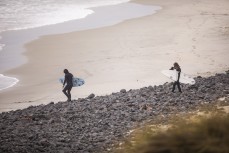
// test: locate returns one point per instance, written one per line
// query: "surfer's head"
(176, 64)
(66, 71)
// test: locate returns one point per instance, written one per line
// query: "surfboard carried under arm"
(76, 81)
(173, 75)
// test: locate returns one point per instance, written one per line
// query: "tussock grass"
(207, 133)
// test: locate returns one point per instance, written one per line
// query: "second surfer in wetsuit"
(178, 69)
(68, 81)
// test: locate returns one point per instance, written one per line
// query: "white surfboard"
(173, 75)
(76, 81)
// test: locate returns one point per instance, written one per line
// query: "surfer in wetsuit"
(68, 81)
(178, 69)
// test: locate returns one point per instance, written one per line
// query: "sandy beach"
(127, 55)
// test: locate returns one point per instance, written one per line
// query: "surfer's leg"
(69, 93)
(178, 85)
(174, 85)
(64, 91)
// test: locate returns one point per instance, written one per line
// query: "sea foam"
(7, 82)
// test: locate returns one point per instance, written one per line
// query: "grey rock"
(123, 91)
(91, 96)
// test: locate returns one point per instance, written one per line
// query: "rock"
(227, 72)
(222, 99)
(91, 96)
(123, 91)
(44, 143)
(145, 107)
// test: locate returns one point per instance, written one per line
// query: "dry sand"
(194, 33)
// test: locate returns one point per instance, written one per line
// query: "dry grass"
(208, 133)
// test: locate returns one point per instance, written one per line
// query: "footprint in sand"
(167, 53)
(88, 74)
(212, 62)
(194, 51)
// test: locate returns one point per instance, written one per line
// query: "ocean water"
(32, 18)
(22, 14)
(25, 14)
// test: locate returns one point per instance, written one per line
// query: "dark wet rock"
(94, 124)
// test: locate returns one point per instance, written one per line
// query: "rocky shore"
(95, 124)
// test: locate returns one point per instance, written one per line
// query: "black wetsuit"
(67, 89)
(178, 69)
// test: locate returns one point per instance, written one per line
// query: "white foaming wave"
(96, 3)
(18, 16)
(43, 19)
(1, 45)
(7, 82)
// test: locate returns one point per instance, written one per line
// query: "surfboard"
(173, 75)
(76, 81)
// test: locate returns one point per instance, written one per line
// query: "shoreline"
(19, 38)
(128, 55)
(128, 10)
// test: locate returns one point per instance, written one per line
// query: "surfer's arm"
(64, 81)
(172, 68)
